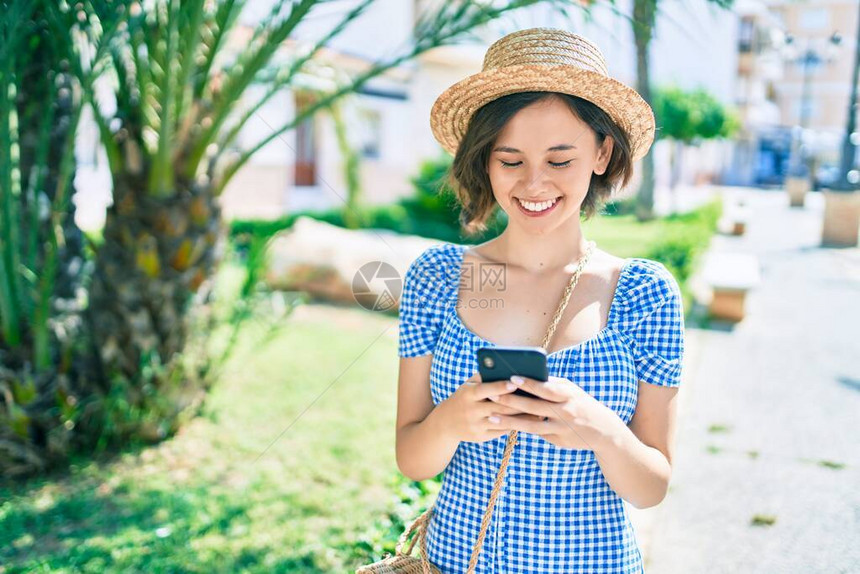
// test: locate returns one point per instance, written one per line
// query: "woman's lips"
(546, 211)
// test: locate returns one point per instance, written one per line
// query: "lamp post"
(809, 56)
(842, 202)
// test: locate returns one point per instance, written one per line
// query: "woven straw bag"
(403, 562)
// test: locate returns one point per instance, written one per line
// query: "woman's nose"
(534, 178)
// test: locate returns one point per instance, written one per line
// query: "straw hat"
(542, 60)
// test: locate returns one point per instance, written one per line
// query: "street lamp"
(811, 55)
(849, 177)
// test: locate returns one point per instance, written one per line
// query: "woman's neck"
(545, 253)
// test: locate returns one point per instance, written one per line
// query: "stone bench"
(797, 187)
(735, 219)
(323, 260)
(730, 276)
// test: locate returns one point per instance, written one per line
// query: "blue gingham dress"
(555, 512)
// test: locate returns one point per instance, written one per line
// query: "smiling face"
(541, 165)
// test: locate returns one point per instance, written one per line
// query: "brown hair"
(468, 175)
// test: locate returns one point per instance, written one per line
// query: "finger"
(528, 417)
(494, 389)
(475, 378)
(556, 389)
(496, 417)
(497, 414)
(493, 407)
(533, 406)
(525, 423)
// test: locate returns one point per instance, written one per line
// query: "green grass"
(622, 235)
(200, 502)
(763, 520)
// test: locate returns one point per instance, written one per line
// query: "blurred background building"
(773, 37)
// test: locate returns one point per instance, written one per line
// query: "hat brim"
(453, 109)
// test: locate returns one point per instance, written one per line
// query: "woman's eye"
(552, 163)
(562, 164)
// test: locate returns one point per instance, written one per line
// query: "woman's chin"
(538, 225)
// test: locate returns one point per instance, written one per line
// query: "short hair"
(468, 175)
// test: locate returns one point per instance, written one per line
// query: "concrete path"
(767, 471)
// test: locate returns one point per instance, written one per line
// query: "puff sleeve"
(657, 332)
(423, 303)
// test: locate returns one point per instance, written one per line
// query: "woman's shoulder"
(435, 268)
(440, 253)
(428, 286)
(647, 282)
(649, 268)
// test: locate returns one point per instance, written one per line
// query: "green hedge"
(686, 238)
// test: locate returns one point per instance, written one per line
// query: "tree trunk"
(157, 252)
(644, 12)
(34, 427)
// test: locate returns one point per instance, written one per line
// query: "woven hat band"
(529, 47)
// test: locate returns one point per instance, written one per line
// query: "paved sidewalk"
(769, 426)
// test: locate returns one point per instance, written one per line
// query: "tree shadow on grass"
(87, 526)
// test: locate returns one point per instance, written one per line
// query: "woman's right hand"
(467, 410)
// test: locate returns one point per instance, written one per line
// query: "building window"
(745, 35)
(306, 160)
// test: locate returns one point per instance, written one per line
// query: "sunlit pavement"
(767, 464)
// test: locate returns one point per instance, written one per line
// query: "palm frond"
(266, 40)
(219, 27)
(283, 79)
(161, 175)
(447, 24)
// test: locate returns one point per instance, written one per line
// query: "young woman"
(544, 133)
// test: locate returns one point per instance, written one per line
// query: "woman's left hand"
(561, 412)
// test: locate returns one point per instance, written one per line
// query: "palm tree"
(114, 369)
(42, 259)
(644, 21)
(170, 146)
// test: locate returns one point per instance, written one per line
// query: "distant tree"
(689, 118)
(644, 22)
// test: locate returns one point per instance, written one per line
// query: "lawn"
(622, 235)
(203, 501)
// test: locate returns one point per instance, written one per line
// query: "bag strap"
(512, 436)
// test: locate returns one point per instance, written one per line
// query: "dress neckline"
(461, 251)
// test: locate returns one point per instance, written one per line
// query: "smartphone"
(500, 363)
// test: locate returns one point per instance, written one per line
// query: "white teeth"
(537, 206)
